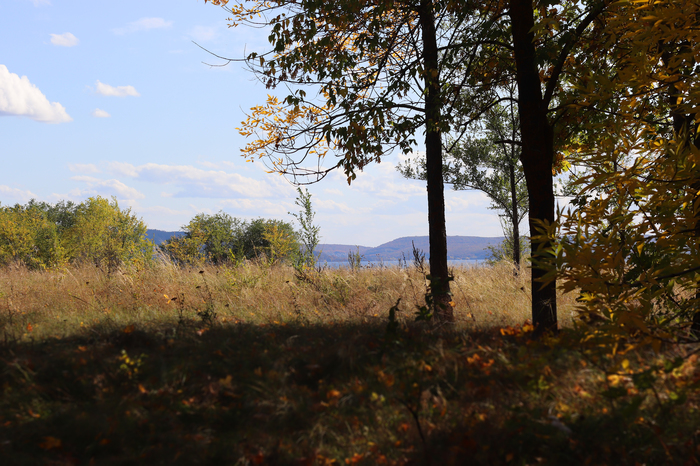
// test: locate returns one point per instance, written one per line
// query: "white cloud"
(40, 2)
(465, 201)
(144, 24)
(99, 113)
(198, 183)
(202, 33)
(105, 188)
(119, 91)
(83, 168)
(17, 195)
(333, 206)
(19, 97)
(123, 168)
(64, 40)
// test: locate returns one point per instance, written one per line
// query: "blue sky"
(113, 99)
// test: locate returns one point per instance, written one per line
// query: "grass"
(252, 365)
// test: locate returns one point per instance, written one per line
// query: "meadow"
(259, 364)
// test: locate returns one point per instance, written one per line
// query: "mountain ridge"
(458, 247)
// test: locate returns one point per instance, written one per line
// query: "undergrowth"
(257, 365)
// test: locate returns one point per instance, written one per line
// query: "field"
(256, 365)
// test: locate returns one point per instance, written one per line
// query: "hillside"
(160, 236)
(458, 247)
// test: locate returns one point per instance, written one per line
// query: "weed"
(304, 371)
(355, 260)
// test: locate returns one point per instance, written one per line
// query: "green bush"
(41, 235)
(220, 238)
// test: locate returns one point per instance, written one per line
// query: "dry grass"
(252, 365)
(57, 303)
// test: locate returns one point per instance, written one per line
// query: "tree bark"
(439, 273)
(537, 157)
(516, 213)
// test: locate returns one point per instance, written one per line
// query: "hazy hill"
(160, 236)
(458, 247)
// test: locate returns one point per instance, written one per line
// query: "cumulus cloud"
(144, 24)
(15, 194)
(122, 168)
(198, 183)
(19, 97)
(64, 40)
(105, 188)
(119, 91)
(99, 113)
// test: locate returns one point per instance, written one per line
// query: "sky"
(116, 99)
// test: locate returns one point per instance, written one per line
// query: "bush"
(220, 238)
(42, 235)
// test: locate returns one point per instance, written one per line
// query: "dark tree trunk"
(440, 284)
(516, 213)
(537, 157)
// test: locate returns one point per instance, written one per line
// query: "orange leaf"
(129, 328)
(29, 327)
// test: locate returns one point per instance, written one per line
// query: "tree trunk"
(439, 274)
(516, 213)
(537, 157)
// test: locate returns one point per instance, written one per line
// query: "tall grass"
(261, 364)
(61, 302)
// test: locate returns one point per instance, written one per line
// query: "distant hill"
(458, 247)
(160, 236)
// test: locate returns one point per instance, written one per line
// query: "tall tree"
(487, 159)
(543, 51)
(634, 247)
(382, 71)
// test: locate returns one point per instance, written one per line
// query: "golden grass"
(57, 303)
(252, 365)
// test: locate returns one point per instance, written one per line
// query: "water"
(379, 263)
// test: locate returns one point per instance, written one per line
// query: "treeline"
(41, 235)
(219, 239)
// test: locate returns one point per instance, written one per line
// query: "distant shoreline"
(459, 248)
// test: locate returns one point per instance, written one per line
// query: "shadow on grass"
(303, 394)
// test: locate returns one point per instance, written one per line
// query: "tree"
(28, 237)
(486, 159)
(382, 71)
(632, 243)
(540, 54)
(41, 235)
(308, 232)
(220, 238)
(104, 234)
